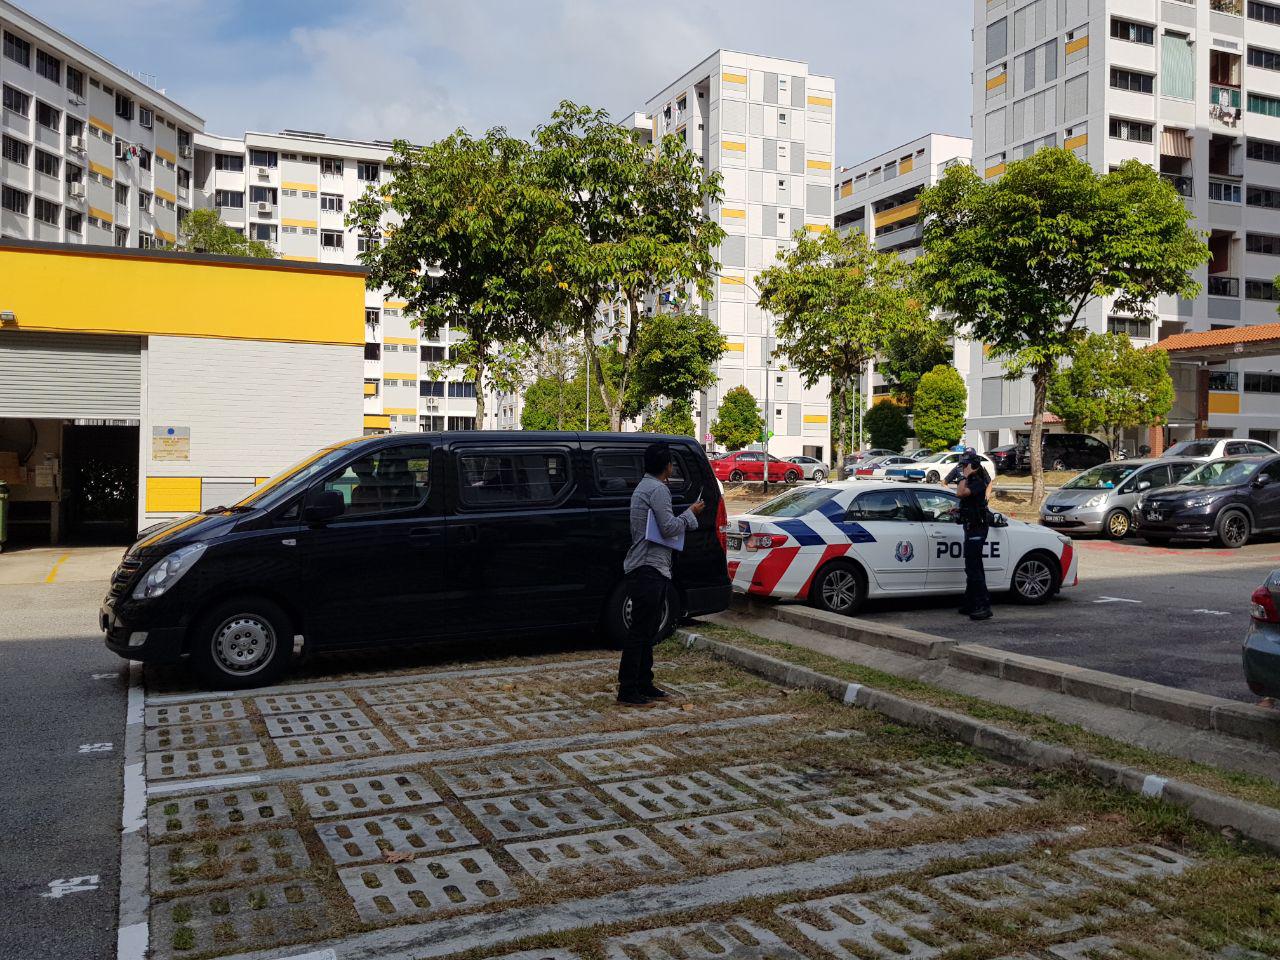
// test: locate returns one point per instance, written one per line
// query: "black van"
(410, 537)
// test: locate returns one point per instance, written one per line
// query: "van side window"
(389, 480)
(493, 478)
(618, 471)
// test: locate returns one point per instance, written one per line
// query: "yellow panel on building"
(816, 418)
(173, 494)
(1228, 403)
(377, 421)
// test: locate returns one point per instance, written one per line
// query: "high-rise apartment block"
(1191, 87)
(88, 152)
(880, 198)
(767, 126)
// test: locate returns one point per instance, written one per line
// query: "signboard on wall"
(171, 443)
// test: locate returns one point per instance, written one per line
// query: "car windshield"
(937, 457)
(795, 503)
(285, 484)
(1222, 473)
(1105, 477)
(1192, 448)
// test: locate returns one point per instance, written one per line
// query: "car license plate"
(1050, 518)
(735, 543)
(1154, 515)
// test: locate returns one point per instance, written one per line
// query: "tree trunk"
(1039, 384)
(480, 368)
(837, 398)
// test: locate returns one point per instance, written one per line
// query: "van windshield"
(1104, 477)
(796, 503)
(288, 482)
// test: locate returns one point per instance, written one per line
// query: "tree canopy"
(886, 424)
(738, 421)
(676, 418)
(836, 299)
(911, 349)
(203, 231)
(1111, 386)
(1018, 260)
(941, 401)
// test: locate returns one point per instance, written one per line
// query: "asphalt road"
(1172, 615)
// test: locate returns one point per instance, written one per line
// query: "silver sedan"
(814, 470)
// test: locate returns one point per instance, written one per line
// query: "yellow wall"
(140, 294)
(173, 494)
(1224, 403)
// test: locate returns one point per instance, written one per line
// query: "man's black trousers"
(648, 590)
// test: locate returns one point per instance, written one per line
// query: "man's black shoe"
(633, 700)
(981, 614)
(656, 693)
(964, 611)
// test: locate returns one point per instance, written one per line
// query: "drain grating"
(386, 893)
(739, 939)
(194, 736)
(251, 807)
(302, 702)
(613, 763)
(452, 733)
(675, 796)
(535, 814)
(316, 721)
(243, 918)
(336, 798)
(368, 838)
(190, 864)
(333, 746)
(485, 777)
(170, 764)
(615, 851)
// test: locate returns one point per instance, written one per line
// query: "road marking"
(103, 676)
(1116, 600)
(1153, 786)
(131, 942)
(1214, 613)
(53, 573)
(96, 747)
(60, 888)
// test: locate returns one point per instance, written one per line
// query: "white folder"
(654, 535)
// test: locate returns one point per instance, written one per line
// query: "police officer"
(972, 489)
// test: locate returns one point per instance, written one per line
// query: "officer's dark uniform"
(973, 515)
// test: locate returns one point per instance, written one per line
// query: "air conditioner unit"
(184, 151)
(75, 144)
(264, 206)
(76, 190)
(74, 100)
(263, 173)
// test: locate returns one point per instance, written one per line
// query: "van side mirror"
(1262, 479)
(323, 505)
(1144, 485)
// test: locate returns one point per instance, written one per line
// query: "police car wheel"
(1117, 525)
(242, 643)
(616, 619)
(932, 477)
(1035, 578)
(839, 588)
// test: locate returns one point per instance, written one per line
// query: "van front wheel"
(242, 643)
(616, 621)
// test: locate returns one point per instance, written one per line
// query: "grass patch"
(1256, 789)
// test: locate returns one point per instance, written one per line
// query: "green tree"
(555, 403)
(632, 221)
(675, 357)
(1111, 386)
(940, 405)
(465, 215)
(203, 231)
(887, 425)
(738, 421)
(1019, 260)
(676, 417)
(913, 348)
(836, 299)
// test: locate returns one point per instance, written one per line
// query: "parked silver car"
(1102, 499)
(813, 468)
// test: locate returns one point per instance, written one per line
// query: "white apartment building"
(768, 127)
(880, 198)
(1191, 87)
(88, 153)
(293, 191)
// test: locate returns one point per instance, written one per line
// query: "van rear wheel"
(616, 619)
(242, 643)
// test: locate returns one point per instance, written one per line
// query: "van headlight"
(168, 571)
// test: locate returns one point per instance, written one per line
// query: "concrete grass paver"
(810, 836)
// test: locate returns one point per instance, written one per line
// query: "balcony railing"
(1227, 6)
(1224, 286)
(1184, 185)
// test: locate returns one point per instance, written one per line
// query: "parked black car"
(1225, 500)
(407, 538)
(1066, 451)
(1007, 458)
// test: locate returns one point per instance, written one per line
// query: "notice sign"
(170, 443)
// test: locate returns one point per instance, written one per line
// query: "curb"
(1187, 707)
(1254, 821)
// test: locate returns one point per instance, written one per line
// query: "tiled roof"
(1220, 338)
(1050, 419)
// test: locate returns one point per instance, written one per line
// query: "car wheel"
(819, 476)
(791, 476)
(933, 477)
(1117, 525)
(616, 619)
(1058, 464)
(735, 476)
(243, 643)
(1233, 529)
(839, 587)
(1035, 578)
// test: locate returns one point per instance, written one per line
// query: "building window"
(1224, 381)
(13, 199)
(1260, 290)
(262, 195)
(1262, 243)
(1261, 382)
(122, 194)
(1132, 130)
(122, 236)
(331, 166)
(462, 390)
(75, 81)
(1130, 326)
(228, 161)
(431, 388)
(266, 232)
(1266, 12)
(184, 178)
(75, 128)
(368, 171)
(462, 423)
(433, 354)
(48, 66)
(1263, 150)
(1224, 192)
(372, 316)
(15, 151)
(73, 221)
(373, 351)
(144, 201)
(46, 211)
(146, 118)
(17, 49)
(1261, 197)
(17, 101)
(75, 173)
(48, 116)
(1132, 80)
(124, 106)
(1133, 32)
(366, 242)
(1266, 59)
(1267, 106)
(263, 158)
(331, 202)
(145, 241)
(48, 164)
(331, 239)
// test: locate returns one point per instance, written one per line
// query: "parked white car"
(934, 469)
(874, 469)
(836, 544)
(1211, 449)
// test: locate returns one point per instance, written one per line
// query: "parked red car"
(749, 465)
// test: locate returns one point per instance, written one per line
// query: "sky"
(418, 69)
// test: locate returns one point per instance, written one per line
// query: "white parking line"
(1116, 600)
(1214, 613)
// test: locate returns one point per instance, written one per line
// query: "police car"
(934, 468)
(835, 544)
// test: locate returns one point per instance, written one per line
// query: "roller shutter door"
(65, 376)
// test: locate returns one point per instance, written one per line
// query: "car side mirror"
(1144, 485)
(323, 506)
(1262, 479)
